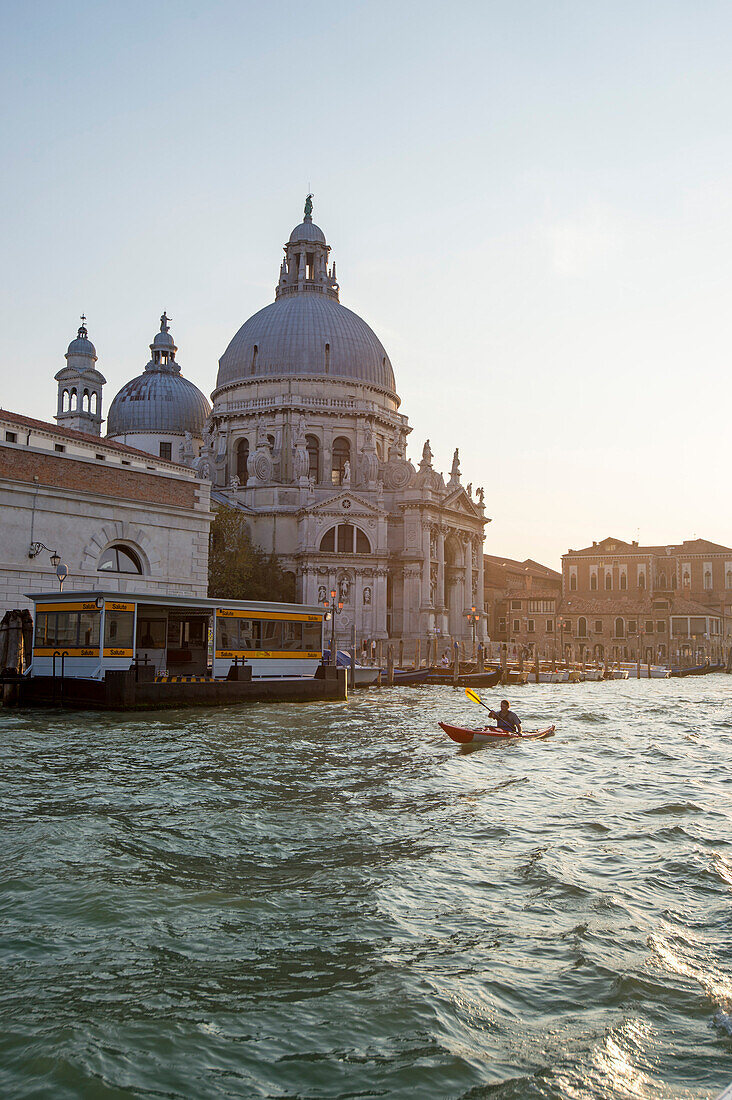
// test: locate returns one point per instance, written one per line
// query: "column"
(379, 600)
(426, 562)
(468, 593)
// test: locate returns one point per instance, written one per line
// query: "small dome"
(158, 401)
(307, 231)
(82, 346)
(163, 340)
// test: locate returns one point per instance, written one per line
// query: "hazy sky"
(531, 204)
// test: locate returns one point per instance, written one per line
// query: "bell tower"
(80, 387)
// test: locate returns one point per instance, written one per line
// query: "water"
(335, 901)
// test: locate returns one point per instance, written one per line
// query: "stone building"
(306, 438)
(670, 602)
(521, 600)
(117, 517)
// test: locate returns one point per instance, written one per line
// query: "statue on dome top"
(309, 206)
(164, 322)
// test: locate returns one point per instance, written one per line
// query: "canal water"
(333, 900)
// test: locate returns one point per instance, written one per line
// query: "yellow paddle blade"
(473, 696)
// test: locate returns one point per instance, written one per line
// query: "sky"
(530, 203)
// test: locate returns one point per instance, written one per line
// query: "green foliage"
(239, 570)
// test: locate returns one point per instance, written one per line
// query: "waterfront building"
(114, 515)
(521, 600)
(667, 602)
(306, 438)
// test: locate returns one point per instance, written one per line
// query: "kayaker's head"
(505, 705)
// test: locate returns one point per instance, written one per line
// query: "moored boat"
(471, 679)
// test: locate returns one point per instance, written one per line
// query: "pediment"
(459, 501)
(345, 503)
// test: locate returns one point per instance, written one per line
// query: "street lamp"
(332, 609)
(62, 571)
(473, 619)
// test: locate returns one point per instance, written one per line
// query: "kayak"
(491, 734)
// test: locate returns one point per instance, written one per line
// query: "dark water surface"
(334, 901)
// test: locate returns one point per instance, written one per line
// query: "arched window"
(65, 403)
(312, 444)
(242, 457)
(341, 455)
(344, 538)
(661, 580)
(255, 352)
(93, 404)
(582, 628)
(623, 581)
(619, 628)
(707, 578)
(85, 401)
(119, 559)
(641, 580)
(608, 581)
(74, 401)
(593, 581)
(728, 580)
(572, 582)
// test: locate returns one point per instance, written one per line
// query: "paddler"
(506, 719)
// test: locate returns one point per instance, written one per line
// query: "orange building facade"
(665, 603)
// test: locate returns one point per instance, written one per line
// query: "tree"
(239, 570)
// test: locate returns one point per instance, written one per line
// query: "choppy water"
(335, 901)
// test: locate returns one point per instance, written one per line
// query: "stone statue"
(469, 489)
(322, 595)
(164, 322)
(367, 595)
(187, 452)
(426, 454)
(204, 471)
(344, 588)
(235, 481)
(309, 206)
(346, 472)
(481, 494)
(455, 470)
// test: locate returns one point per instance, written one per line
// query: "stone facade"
(306, 437)
(91, 500)
(671, 602)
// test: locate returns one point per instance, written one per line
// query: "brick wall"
(105, 479)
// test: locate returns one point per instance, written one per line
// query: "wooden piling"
(401, 653)
(416, 654)
(455, 663)
(390, 665)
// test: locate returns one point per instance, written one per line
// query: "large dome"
(306, 334)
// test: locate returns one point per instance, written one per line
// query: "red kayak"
(491, 734)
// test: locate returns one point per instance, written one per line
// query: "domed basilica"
(305, 436)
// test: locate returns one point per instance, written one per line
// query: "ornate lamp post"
(62, 571)
(473, 619)
(333, 608)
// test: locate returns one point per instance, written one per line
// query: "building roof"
(306, 330)
(160, 399)
(80, 437)
(528, 565)
(618, 546)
